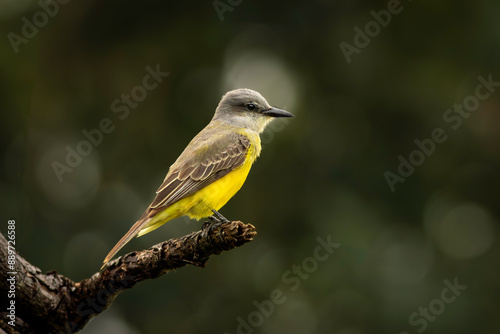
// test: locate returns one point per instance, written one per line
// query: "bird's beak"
(275, 112)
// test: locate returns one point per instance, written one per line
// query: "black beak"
(275, 112)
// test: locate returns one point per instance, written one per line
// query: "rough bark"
(52, 303)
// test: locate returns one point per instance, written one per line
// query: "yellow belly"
(218, 193)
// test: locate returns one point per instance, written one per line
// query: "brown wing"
(207, 164)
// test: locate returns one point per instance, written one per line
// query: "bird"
(212, 167)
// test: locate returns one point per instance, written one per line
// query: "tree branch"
(52, 303)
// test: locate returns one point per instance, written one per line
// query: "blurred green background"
(321, 174)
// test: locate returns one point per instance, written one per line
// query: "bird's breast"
(255, 146)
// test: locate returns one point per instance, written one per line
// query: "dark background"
(321, 174)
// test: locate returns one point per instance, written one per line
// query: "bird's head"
(248, 109)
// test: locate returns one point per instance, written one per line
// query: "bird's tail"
(134, 230)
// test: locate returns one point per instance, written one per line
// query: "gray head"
(248, 109)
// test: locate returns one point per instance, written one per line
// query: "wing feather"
(205, 166)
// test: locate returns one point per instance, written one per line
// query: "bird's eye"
(251, 106)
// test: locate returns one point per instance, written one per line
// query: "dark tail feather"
(126, 238)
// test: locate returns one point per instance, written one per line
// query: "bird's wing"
(197, 168)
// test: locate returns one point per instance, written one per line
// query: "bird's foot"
(207, 224)
(209, 227)
(216, 220)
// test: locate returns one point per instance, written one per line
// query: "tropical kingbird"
(213, 167)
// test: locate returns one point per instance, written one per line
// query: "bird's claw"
(216, 220)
